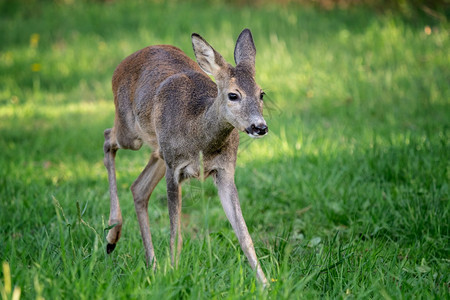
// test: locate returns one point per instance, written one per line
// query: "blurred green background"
(347, 197)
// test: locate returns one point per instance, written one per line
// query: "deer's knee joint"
(109, 149)
(107, 132)
(140, 201)
(141, 204)
(106, 148)
(110, 144)
(108, 160)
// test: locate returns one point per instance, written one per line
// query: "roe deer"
(166, 100)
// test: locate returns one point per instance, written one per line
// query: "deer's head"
(241, 99)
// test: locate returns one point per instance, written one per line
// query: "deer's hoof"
(110, 248)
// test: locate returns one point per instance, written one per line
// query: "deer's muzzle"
(257, 131)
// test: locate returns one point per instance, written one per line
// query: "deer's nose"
(258, 130)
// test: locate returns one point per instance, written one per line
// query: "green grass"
(347, 197)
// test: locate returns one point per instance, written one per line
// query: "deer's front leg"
(230, 202)
(174, 204)
(142, 188)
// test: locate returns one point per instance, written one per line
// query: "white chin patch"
(256, 136)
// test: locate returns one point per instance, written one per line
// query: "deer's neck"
(215, 127)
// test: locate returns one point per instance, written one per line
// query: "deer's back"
(154, 84)
(144, 70)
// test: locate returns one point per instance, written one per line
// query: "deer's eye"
(233, 97)
(261, 96)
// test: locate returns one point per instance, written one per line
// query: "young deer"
(166, 100)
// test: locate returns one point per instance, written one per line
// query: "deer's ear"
(245, 51)
(208, 59)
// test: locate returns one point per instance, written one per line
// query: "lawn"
(347, 196)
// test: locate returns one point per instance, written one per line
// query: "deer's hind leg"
(119, 137)
(110, 148)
